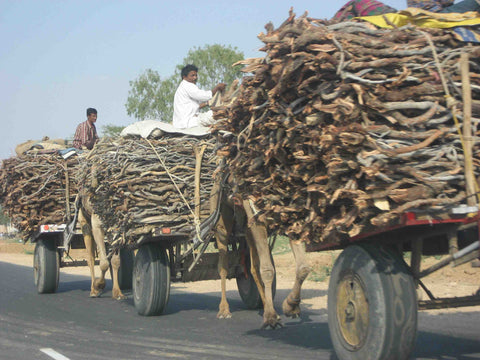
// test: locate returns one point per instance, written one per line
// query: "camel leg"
(221, 234)
(116, 292)
(99, 238)
(90, 247)
(222, 231)
(254, 260)
(267, 271)
(291, 304)
(255, 265)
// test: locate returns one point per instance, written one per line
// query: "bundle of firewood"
(34, 188)
(343, 127)
(136, 185)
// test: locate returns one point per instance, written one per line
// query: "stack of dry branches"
(343, 127)
(137, 185)
(34, 190)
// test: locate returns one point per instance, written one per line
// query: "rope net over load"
(136, 184)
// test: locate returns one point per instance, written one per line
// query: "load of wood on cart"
(38, 186)
(135, 185)
(340, 129)
(343, 127)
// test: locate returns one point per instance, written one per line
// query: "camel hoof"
(224, 315)
(95, 294)
(292, 312)
(99, 284)
(119, 297)
(291, 308)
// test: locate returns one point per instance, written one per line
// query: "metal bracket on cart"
(207, 226)
(70, 228)
(460, 257)
(456, 258)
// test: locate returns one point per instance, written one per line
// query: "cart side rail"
(407, 222)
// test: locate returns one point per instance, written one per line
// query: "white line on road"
(53, 354)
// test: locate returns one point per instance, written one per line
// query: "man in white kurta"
(189, 99)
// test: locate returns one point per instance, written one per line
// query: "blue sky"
(59, 57)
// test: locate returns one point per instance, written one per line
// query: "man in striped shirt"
(86, 134)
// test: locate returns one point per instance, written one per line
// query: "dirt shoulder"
(449, 281)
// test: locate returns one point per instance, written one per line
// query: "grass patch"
(12, 240)
(321, 274)
(282, 245)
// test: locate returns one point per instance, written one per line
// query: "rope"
(195, 218)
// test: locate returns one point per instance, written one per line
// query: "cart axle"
(444, 303)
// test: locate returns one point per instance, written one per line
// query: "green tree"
(214, 64)
(112, 130)
(151, 97)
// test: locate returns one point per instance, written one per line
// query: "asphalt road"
(70, 325)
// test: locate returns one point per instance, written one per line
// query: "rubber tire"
(151, 280)
(125, 272)
(391, 299)
(247, 288)
(46, 266)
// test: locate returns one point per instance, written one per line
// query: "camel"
(262, 268)
(229, 213)
(291, 304)
(94, 238)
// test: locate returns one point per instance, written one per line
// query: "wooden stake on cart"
(467, 130)
(67, 193)
(198, 168)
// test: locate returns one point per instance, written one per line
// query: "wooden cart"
(150, 265)
(164, 257)
(52, 247)
(372, 293)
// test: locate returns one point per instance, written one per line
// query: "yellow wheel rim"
(352, 310)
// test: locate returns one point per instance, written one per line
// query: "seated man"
(189, 99)
(86, 133)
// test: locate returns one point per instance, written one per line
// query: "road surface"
(69, 325)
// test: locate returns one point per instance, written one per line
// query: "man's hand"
(220, 87)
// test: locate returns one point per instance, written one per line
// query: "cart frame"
(373, 292)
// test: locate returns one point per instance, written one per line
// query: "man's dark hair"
(187, 68)
(91, 111)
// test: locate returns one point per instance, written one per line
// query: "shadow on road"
(433, 345)
(440, 335)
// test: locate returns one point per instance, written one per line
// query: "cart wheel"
(247, 288)
(125, 272)
(46, 266)
(151, 280)
(372, 305)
